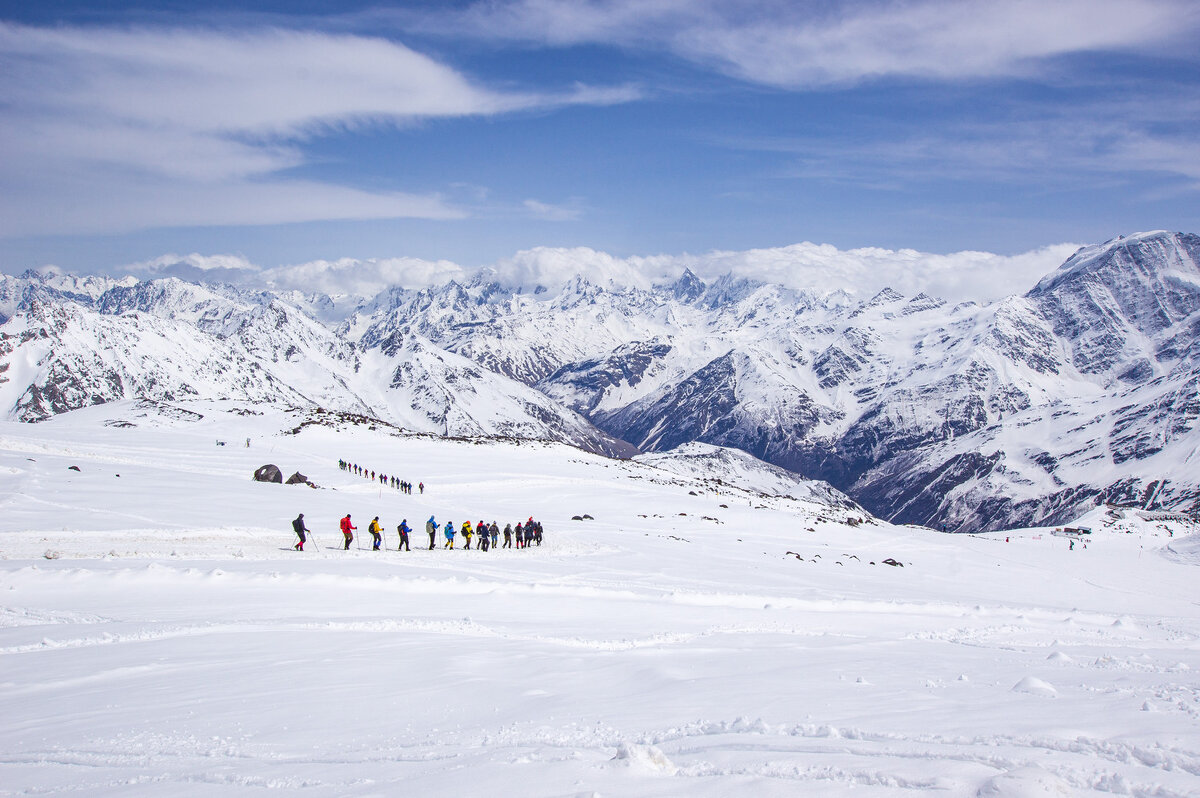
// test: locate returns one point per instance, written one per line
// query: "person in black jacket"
(300, 528)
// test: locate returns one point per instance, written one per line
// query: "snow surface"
(158, 636)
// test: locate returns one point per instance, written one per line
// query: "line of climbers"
(486, 536)
(381, 478)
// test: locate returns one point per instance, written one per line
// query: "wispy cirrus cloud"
(806, 45)
(1063, 146)
(552, 213)
(113, 129)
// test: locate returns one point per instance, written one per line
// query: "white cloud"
(364, 278)
(109, 130)
(1149, 132)
(196, 267)
(568, 22)
(551, 213)
(933, 39)
(266, 81)
(819, 268)
(87, 202)
(819, 44)
(552, 267)
(201, 263)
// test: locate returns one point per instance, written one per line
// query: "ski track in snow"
(645, 652)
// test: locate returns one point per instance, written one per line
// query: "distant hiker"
(484, 537)
(431, 530)
(403, 530)
(422, 487)
(374, 529)
(520, 536)
(1072, 546)
(466, 533)
(300, 528)
(348, 531)
(508, 536)
(448, 531)
(495, 530)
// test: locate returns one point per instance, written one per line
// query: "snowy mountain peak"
(1124, 304)
(1148, 253)
(688, 288)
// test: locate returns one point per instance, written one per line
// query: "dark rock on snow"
(268, 473)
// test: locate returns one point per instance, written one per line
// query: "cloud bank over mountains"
(820, 268)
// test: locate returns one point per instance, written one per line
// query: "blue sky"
(287, 133)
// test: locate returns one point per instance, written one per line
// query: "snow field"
(174, 644)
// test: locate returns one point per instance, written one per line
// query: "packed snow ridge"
(1030, 410)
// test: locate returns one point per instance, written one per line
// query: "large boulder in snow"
(297, 479)
(268, 473)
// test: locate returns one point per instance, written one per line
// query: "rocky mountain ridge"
(1025, 411)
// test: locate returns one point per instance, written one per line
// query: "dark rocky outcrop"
(268, 473)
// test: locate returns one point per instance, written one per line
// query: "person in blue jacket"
(449, 532)
(431, 529)
(403, 530)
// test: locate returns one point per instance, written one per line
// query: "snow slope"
(159, 637)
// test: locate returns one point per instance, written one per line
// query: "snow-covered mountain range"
(1025, 411)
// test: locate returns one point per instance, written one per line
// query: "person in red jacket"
(348, 531)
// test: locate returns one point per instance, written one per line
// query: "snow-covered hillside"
(165, 340)
(702, 630)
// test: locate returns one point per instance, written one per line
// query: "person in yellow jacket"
(375, 531)
(466, 533)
